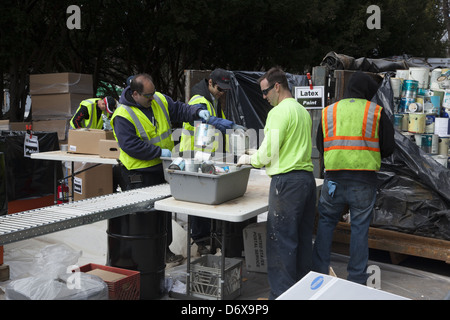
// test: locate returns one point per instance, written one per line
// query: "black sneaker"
(172, 257)
(202, 249)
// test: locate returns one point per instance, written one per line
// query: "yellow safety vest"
(93, 122)
(188, 134)
(351, 140)
(159, 136)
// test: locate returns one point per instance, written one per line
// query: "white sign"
(30, 145)
(310, 98)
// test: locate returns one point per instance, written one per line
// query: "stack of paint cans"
(421, 109)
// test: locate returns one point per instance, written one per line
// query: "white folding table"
(70, 157)
(252, 203)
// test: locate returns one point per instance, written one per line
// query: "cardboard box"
(108, 149)
(442, 127)
(51, 83)
(107, 275)
(4, 125)
(96, 181)
(317, 286)
(255, 247)
(50, 106)
(87, 140)
(61, 126)
(18, 126)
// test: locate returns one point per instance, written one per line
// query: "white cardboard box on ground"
(255, 247)
(317, 286)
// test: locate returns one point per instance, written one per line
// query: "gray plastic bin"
(208, 188)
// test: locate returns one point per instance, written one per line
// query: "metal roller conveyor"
(32, 223)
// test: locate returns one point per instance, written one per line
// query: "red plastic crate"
(127, 288)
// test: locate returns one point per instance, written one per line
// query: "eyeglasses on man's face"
(148, 95)
(266, 91)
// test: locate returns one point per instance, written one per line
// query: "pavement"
(415, 278)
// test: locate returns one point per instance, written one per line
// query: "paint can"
(435, 74)
(191, 165)
(201, 156)
(398, 119)
(177, 164)
(443, 160)
(409, 89)
(208, 167)
(430, 143)
(418, 139)
(402, 74)
(443, 146)
(203, 134)
(434, 144)
(434, 105)
(429, 123)
(426, 143)
(421, 75)
(404, 104)
(416, 122)
(405, 122)
(396, 84)
(415, 107)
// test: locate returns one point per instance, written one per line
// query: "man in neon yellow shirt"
(286, 154)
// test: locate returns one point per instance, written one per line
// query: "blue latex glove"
(166, 153)
(331, 188)
(204, 114)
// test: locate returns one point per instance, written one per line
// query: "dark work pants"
(290, 223)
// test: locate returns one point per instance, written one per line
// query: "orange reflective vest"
(351, 140)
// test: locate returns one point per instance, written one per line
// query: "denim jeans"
(290, 223)
(360, 197)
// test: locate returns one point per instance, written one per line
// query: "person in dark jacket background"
(353, 135)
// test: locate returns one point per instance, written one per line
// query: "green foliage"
(119, 38)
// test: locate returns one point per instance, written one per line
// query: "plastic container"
(123, 289)
(208, 188)
(205, 277)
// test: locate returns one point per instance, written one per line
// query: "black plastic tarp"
(3, 194)
(336, 61)
(26, 177)
(414, 189)
(245, 103)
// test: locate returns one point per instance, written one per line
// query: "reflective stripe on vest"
(91, 113)
(367, 141)
(140, 128)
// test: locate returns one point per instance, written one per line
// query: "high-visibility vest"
(188, 133)
(93, 122)
(159, 136)
(351, 140)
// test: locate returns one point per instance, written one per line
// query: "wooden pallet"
(399, 244)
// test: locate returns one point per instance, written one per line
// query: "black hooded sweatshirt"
(362, 86)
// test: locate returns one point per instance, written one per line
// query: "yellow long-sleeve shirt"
(287, 140)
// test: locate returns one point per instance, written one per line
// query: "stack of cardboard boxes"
(55, 98)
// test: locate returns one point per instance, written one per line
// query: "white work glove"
(204, 114)
(250, 151)
(238, 127)
(244, 159)
(166, 153)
